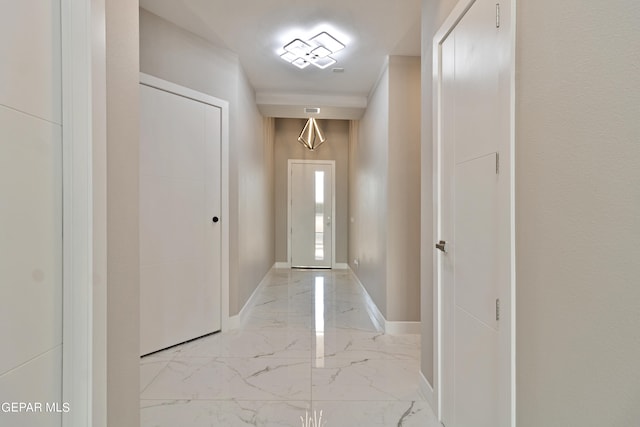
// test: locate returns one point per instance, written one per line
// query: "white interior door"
(311, 214)
(180, 233)
(475, 222)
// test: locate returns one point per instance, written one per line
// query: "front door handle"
(440, 245)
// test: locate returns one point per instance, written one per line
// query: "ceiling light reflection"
(319, 320)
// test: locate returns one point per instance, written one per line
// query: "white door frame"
(507, 167)
(331, 163)
(84, 173)
(84, 382)
(167, 86)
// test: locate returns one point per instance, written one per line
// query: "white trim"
(348, 101)
(378, 319)
(84, 257)
(337, 266)
(512, 214)
(437, 227)
(167, 86)
(427, 391)
(374, 313)
(236, 321)
(281, 265)
(233, 323)
(332, 163)
(225, 173)
(151, 81)
(400, 328)
(507, 341)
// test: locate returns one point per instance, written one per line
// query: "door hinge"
(497, 163)
(497, 309)
(497, 15)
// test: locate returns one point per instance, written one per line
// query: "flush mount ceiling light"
(298, 48)
(311, 135)
(300, 63)
(328, 41)
(314, 51)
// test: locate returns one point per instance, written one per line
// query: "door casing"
(507, 167)
(332, 163)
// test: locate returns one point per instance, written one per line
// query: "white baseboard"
(428, 392)
(376, 316)
(337, 266)
(389, 327)
(233, 323)
(281, 265)
(400, 328)
(237, 320)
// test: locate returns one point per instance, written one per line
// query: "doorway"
(311, 214)
(474, 188)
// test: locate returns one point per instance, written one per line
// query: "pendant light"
(311, 135)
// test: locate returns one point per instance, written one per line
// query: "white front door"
(475, 257)
(180, 222)
(311, 214)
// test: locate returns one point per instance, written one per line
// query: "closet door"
(180, 232)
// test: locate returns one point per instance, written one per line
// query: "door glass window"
(319, 214)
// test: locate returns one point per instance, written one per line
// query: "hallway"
(307, 345)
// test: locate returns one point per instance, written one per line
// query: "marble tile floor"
(307, 346)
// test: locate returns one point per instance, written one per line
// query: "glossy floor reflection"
(307, 345)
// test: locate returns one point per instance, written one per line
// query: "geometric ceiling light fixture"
(300, 63)
(328, 41)
(297, 47)
(316, 51)
(323, 63)
(311, 135)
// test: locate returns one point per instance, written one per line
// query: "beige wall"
(368, 181)
(254, 165)
(403, 229)
(335, 148)
(434, 12)
(179, 56)
(172, 53)
(385, 192)
(578, 213)
(122, 62)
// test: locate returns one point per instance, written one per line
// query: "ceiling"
(258, 29)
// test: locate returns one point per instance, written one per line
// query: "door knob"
(440, 245)
(215, 219)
